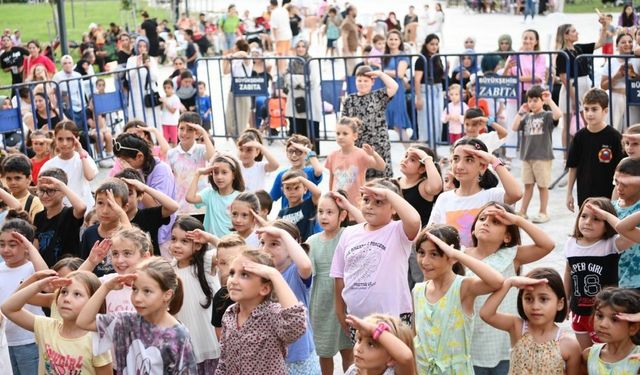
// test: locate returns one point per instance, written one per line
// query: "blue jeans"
(501, 369)
(229, 40)
(24, 359)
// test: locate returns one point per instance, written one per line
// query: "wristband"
(521, 114)
(310, 154)
(382, 326)
(498, 162)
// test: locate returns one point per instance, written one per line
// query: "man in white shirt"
(281, 30)
(72, 94)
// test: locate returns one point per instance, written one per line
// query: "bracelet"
(83, 155)
(498, 162)
(522, 114)
(310, 154)
(382, 326)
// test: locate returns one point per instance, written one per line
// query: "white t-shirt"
(615, 65)
(460, 212)
(75, 175)
(280, 25)
(254, 176)
(5, 361)
(374, 266)
(117, 300)
(167, 117)
(10, 280)
(492, 141)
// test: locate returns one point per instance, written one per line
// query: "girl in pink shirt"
(371, 260)
(348, 165)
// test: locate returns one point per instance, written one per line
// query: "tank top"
(596, 366)
(443, 332)
(531, 358)
(42, 121)
(412, 195)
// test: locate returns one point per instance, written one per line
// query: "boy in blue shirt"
(204, 106)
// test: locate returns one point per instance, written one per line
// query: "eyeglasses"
(293, 151)
(117, 146)
(47, 192)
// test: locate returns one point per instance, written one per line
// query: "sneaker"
(540, 218)
(106, 163)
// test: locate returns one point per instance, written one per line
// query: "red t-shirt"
(30, 62)
(36, 165)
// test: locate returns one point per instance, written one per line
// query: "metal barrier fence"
(96, 111)
(336, 79)
(300, 94)
(500, 88)
(266, 92)
(619, 75)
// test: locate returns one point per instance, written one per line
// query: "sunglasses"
(293, 151)
(117, 147)
(46, 192)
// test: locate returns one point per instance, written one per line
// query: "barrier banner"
(633, 92)
(498, 87)
(250, 86)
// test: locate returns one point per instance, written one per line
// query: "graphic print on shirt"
(56, 363)
(145, 361)
(605, 154)
(363, 261)
(294, 217)
(535, 126)
(462, 220)
(345, 177)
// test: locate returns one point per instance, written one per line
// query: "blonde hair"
(140, 239)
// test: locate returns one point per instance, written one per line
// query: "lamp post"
(62, 28)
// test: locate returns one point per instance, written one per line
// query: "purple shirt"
(161, 178)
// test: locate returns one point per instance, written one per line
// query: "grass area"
(32, 19)
(589, 6)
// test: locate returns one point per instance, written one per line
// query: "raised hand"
(136, 184)
(260, 270)
(120, 281)
(368, 149)
(375, 193)
(484, 156)
(361, 325)
(502, 215)
(99, 251)
(526, 283)
(205, 171)
(447, 249)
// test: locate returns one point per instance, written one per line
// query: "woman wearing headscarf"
(468, 66)
(505, 44)
(142, 81)
(299, 110)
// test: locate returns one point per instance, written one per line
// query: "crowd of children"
(175, 264)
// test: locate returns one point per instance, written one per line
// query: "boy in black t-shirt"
(594, 152)
(300, 212)
(58, 227)
(148, 219)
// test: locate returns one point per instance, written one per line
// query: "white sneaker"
(106, 163)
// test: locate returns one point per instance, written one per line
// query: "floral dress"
(140, 347)
(370, 108)
(443, 332)
(531, 358)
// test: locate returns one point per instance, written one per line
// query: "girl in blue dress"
(396, 67)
